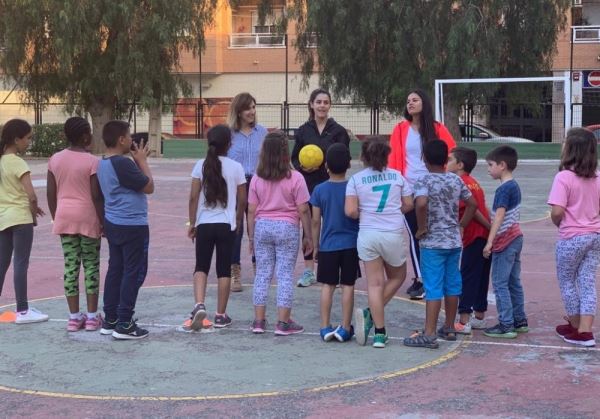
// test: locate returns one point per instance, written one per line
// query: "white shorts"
(389, 245)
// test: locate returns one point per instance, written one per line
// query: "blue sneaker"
(327, 333)
(364, 324)
(344, 335)
(307, 279)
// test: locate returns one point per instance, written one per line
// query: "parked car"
(596, 130)
(476, 132)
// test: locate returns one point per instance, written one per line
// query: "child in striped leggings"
(277, 200)
(75, 202)
(575, 201)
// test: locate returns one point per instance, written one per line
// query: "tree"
(375, 51)
(102, 54)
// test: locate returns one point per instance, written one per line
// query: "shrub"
(47, 140)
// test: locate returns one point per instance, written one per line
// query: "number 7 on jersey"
(384, 196)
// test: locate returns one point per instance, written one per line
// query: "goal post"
(439, 91)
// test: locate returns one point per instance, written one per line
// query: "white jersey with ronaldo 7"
(379, 198)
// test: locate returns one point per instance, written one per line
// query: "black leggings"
(209, 236)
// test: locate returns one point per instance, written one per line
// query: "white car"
(476, 133)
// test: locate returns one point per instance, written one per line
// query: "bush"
(47, 140)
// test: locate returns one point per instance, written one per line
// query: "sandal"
(447, 333)
(419, 340)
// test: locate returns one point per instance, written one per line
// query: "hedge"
(47, 140)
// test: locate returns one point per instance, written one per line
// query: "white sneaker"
(31, 316)
(463, 329)
(477, 323)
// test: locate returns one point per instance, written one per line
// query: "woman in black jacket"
(322, 131)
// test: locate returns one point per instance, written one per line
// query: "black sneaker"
(129, 331)
(521, 326)
(108, 327)
(222, 320)
(416, 283)
(417, 292)
(501, 331)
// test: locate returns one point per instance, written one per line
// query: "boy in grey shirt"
(437, 195)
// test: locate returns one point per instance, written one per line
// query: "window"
(269, 24)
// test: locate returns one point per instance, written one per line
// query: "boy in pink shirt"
(278, 198)
(75, 202)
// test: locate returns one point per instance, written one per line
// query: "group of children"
(359, 219)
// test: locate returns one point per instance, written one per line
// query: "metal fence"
(539, 122)
(192, 119)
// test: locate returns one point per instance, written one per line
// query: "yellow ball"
(311, 156)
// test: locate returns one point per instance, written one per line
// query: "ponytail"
(213, 182)
(375, 151)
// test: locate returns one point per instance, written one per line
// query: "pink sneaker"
(92, 325)
(259, 326)
(289, 328)
(75, 325)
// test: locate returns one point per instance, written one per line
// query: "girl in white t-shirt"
(217, 201)
(575, 201)
(378, 197)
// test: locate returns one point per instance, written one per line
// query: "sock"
(219, 314)
(75, 316)
(199, 304)
(380, 331)
(91, 315)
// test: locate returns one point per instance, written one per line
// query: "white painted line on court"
(534, 346)
(471, 342)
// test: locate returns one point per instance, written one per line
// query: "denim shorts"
(441, 272)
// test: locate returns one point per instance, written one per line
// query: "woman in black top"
(323, 132)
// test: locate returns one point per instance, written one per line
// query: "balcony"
(586, 34)
(256, 40)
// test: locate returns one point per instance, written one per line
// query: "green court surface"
(219, 364)
(195, 148)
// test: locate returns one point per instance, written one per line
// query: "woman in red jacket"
(407, 141)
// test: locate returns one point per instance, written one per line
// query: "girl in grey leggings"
(16, 239)
(18, 213)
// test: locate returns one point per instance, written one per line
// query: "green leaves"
(378, 50)
(101, 51)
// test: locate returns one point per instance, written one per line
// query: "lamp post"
(286, 107)
(571, 72)
(200, 122)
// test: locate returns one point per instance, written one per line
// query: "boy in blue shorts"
(336, 252)
(437, 195)
(124, 184)
(504, 245)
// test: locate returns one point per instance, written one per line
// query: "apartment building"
(243, 54)
(578, 56)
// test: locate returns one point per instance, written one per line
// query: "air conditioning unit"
(577, 3)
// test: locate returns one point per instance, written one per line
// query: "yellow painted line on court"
(351, 383)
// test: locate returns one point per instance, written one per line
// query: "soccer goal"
(515, 121)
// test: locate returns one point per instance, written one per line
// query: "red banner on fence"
(189, 111)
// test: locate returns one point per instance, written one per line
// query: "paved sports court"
(46, 372)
